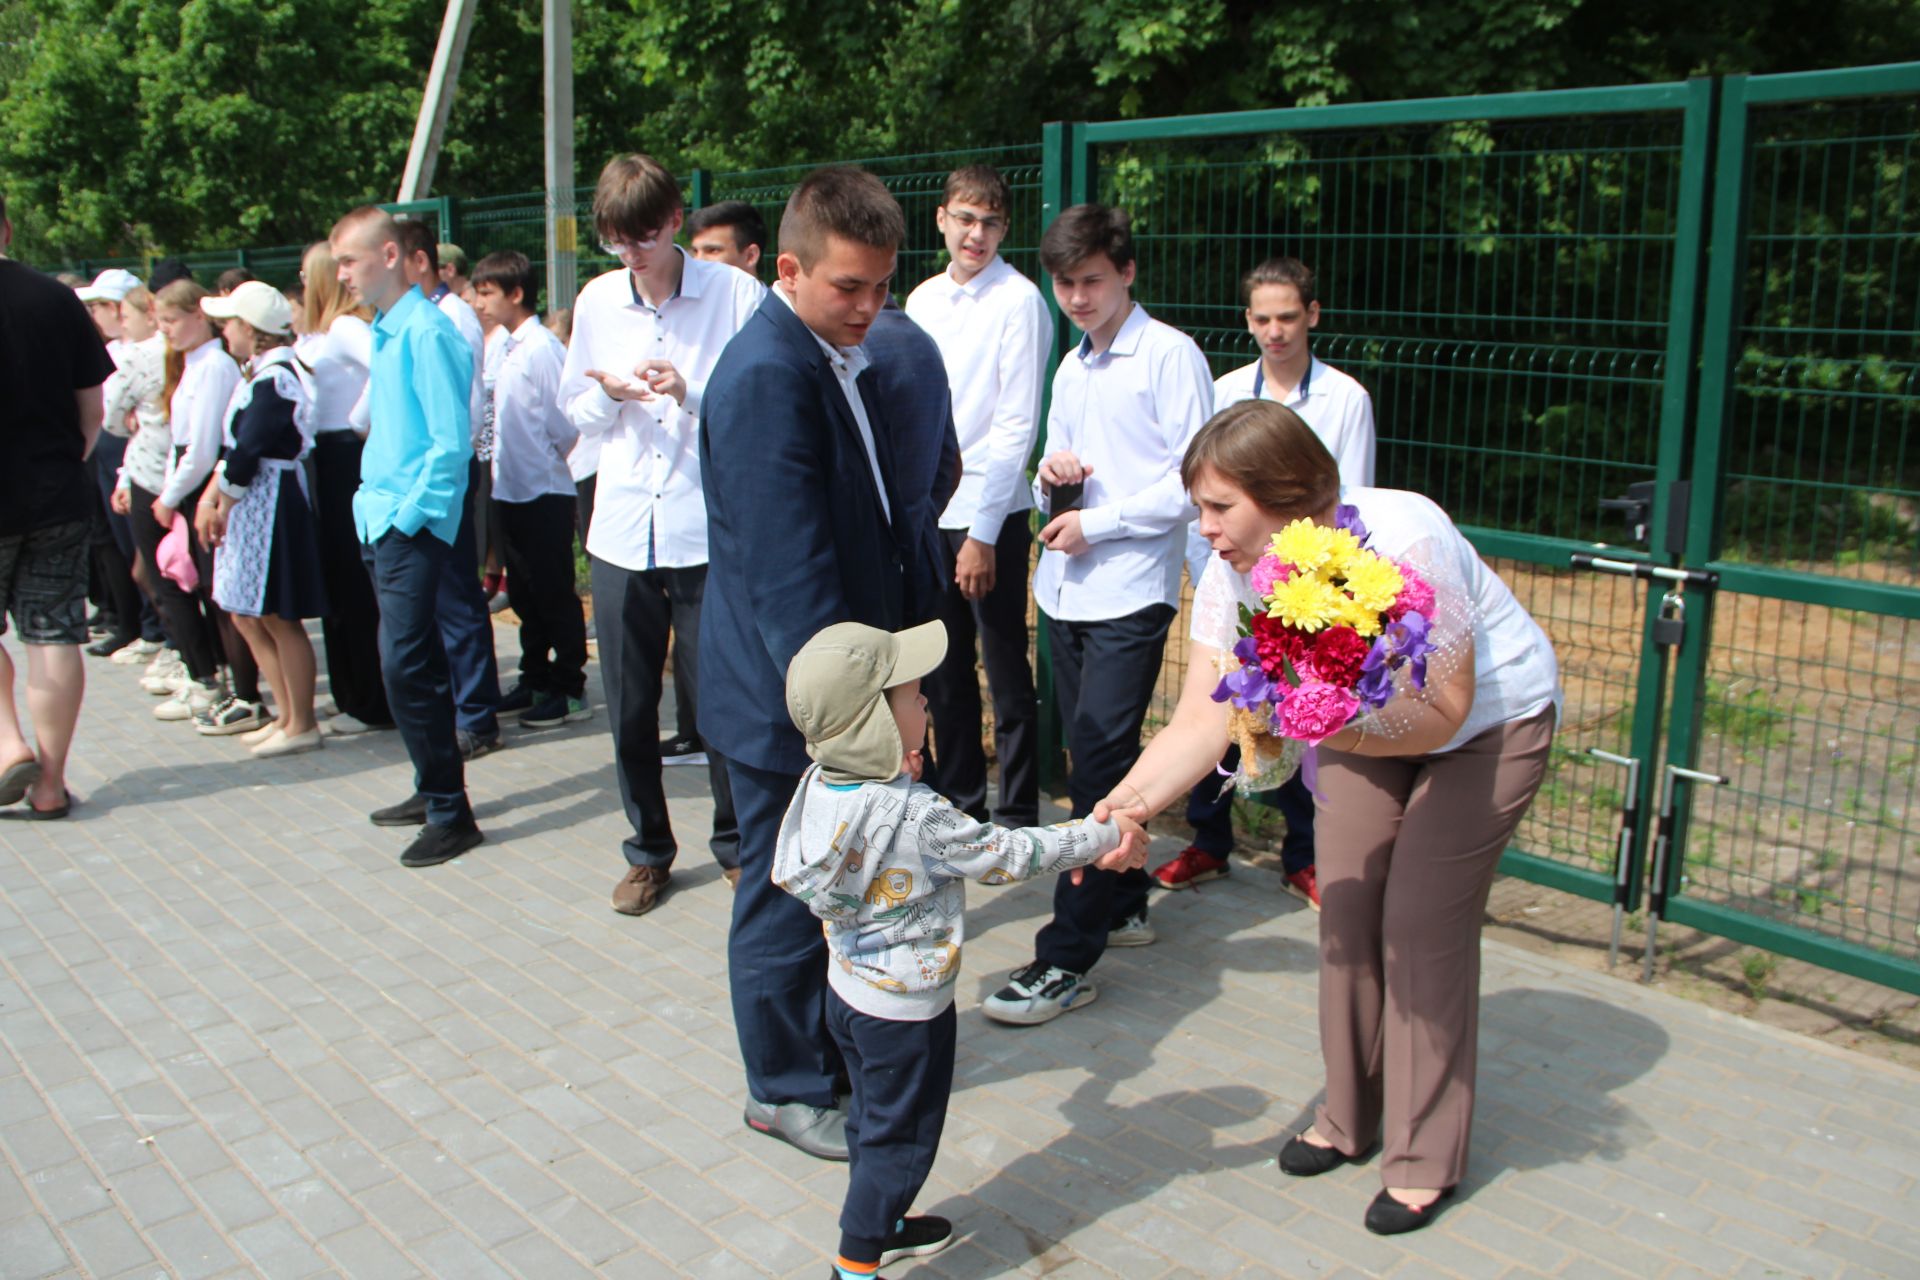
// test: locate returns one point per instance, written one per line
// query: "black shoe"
(821, 1132)
(1303, 1159)
(916, 1238)
(682, 750)
(474, 745)
(1389, 1217)
(554, 710)
(411, 812)
(435, 843)
(108, 645)
(516, 700)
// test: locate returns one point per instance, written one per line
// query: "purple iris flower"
(1408, 639)
(1375, 684)
(1347, 516)
(1248, 687)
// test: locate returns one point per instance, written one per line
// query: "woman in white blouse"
(1409, 825)
(200, 377)
(338, 348)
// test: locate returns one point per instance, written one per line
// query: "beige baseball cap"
(258, 303)
(836, 688)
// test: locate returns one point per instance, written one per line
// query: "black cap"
(165, 272)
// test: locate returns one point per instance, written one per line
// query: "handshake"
(1128, 815)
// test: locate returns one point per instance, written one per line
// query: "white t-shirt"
(1515, 673)
(339, 358)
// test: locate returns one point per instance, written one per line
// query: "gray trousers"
(1407, 850)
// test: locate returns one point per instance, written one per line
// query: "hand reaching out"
(1131, 853)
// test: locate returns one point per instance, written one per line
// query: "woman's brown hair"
(183, 296)
(1270, 454)
(326, 298)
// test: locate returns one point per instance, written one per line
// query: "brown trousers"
(1407, 850)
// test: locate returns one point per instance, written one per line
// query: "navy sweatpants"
(902, 1074)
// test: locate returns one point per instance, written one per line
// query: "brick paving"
(238, 1039)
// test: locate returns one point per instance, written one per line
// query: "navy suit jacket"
(796, 537)
(909, 380)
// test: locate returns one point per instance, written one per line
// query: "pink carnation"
(1317, 710)
(1416, 595)
(1268, 570)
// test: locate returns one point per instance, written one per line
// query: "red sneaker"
(1306, 883)
(1193, 866)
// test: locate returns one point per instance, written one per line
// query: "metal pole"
(431, 127)
(563, 226)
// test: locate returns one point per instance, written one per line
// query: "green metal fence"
(1666, 332)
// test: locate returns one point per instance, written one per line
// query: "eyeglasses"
(967, 222)
(621, 248)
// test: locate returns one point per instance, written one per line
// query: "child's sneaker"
(1193, 866)
(1134, 931)
(1038, 993)
(916, 1238)
(230, 715)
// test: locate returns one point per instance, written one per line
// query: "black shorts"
(43, 583)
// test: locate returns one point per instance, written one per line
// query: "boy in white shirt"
(1283, 308)
(533, 494)
(1125, 406)
(645, 340)
(996, 338)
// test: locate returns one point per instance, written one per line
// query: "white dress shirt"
(531, 435)
(1337, 408)
(136, 387)
(996, 338)
(647, 505)
(1129, 412)
(467, 321)
(198, 415)
(339, 358)
(848, 363)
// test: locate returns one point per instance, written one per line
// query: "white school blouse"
(198, 416)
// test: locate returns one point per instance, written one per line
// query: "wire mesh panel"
(1823, 426)
(1811, 716)
(917, 182)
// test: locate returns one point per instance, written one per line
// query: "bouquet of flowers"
(1340, 628)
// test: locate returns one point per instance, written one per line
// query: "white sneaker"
(136, 653)
(346, 726)
(165, 681)
(1134, 931)
(189, 702)
(1038, 993)
(163, 662)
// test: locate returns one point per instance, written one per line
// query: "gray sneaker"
(1134, 931)
(821, 1132)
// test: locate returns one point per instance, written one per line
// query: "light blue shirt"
(413, 473)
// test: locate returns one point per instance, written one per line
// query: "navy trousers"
(902, 1076)
(776, 959)
(953, 691)
(1104, 674)
(413, 663)
(1210, 814)
(466, 629)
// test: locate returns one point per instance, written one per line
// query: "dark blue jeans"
(406, 574)
(466, 629)
(1210, 814)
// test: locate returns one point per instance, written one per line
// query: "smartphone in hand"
(1062, 498)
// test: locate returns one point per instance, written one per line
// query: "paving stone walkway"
(237, 1039)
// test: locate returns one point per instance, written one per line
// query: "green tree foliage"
(126, 125)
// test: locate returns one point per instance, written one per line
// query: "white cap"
(258, 303)
(110, 285)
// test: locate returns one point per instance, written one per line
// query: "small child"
(883, 860)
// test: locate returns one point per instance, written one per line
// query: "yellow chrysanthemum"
(1343, 550)
(1305, 545)
(1356, 615)
(1374, 582)
(1305, 601)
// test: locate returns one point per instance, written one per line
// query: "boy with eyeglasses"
(645, 339)
(996, 337)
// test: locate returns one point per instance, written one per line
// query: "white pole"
(431, 128)
(563, 277)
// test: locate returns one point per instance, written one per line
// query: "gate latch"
(1670, 628)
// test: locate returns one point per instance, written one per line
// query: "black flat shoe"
(1303, 1159)
(411, 812)
(437, 844)
(1387, 1216)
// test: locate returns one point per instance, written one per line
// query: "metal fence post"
(700, 189)
(1057, 165)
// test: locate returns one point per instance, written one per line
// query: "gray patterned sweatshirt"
(885, 866)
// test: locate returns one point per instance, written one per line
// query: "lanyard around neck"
(1260, 379)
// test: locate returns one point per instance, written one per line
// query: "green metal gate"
(1512, 279)
(1799, 679)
